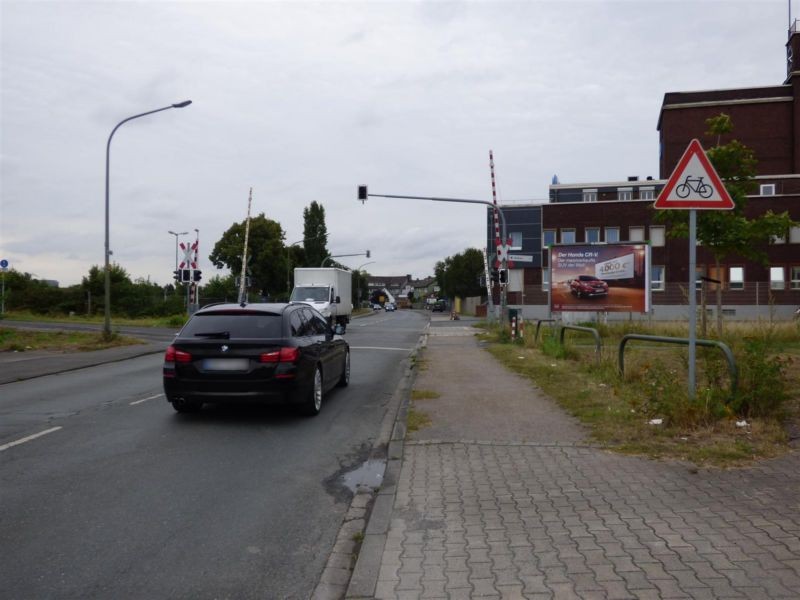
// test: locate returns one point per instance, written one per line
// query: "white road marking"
(28, 439)
(146, 399)
(380, 348)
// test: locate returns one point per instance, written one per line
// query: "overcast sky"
(303, 101)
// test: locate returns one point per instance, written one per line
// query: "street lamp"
(107, 323)
(330, 256)
(358, 280)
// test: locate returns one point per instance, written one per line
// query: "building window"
(590, 195)
(636, 234)
(657, 278)
(612, 235)
(516, 240)
(548, 237)
(736, 278)
(776, 278)
(545, 280)
(794, 235)
(647, 194)
(656, 235)
(567, 236)
(592, 235)
(767, 189)
(795, 280)
(625, 193)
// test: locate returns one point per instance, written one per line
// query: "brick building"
(767, 119)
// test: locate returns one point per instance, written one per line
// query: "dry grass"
(618, 410)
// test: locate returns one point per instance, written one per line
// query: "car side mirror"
(338, 329)
(338, 300)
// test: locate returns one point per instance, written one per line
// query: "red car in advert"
(588, 286)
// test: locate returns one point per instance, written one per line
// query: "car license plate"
(226, 364)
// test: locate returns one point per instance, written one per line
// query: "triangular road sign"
(694, 184)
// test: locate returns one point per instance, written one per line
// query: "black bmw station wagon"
(255, 353)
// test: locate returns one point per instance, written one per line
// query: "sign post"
(694, 185)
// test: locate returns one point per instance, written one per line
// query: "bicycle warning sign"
(694, 184)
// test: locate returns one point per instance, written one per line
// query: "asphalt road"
(120, 497)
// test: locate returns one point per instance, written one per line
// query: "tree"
(220, 288)
(315, 235)
(459, 275)
(730, 232)
(266, 261)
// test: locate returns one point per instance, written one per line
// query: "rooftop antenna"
(243, 278)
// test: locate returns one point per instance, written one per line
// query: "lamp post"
(289, 260)
(330, 256)
(358, 280)
(107, 323)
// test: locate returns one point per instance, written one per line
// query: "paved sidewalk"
(502, 497)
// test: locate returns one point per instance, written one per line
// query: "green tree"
(459, 275)
(220, 288)
(730, 232)
(266, 261)
(315, 235)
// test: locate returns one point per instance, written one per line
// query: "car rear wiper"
(218, 335)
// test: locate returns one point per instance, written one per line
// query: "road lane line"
(28, 439)
(146, 399)
(380, 348)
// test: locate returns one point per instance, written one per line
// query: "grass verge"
(21, 340)
(619, 411)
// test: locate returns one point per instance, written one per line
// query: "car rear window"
(234, 325)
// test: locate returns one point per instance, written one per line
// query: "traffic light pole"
(363, 195)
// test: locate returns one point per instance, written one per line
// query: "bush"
(762, 389)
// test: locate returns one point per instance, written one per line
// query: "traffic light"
(503, 275)
(495, 276)
(197, 275)
(176, 275)
(367, 253)
(362, 194)
(186, 275)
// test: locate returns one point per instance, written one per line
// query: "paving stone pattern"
(526, 519)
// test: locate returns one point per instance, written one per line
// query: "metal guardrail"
(598, 343)
(539, 325)
(683, 341)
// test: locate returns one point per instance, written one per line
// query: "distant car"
(438, 307)
(588, 286)
(265, 353)
(377, 306)
(389, 307)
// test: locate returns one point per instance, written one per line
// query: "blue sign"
(3, 263)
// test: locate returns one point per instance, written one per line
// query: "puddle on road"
(368, 475)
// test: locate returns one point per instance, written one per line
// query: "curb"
(369, 515)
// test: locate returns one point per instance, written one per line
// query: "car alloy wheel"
(313, 405)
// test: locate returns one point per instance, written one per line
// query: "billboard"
(600, 277)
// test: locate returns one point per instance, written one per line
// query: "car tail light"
(174, 355)
(284, 355)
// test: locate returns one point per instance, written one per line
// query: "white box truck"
(328, 290)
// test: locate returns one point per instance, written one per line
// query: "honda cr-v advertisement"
(607, 277)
